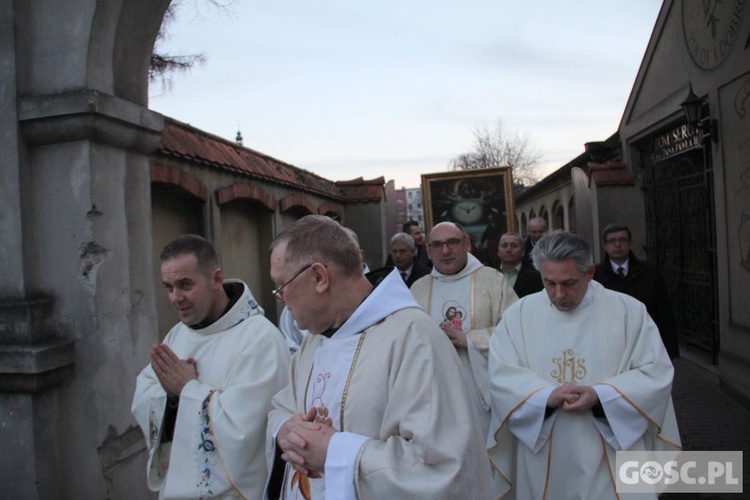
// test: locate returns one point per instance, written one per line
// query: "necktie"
(621, 271)
(403, 276)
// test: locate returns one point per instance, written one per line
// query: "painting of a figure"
(480, 200)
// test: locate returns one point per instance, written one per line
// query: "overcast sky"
(394, 88)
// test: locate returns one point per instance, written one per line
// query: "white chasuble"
(219, 433)
(334, 361)
(609, 343)
(405, 425)
(471, 301)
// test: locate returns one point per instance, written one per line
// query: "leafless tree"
(164, 65)
(495, 146)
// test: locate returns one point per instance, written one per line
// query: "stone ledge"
(34, 359)
(89, 115)
(31, 368)
(30, 384)
(24, 322)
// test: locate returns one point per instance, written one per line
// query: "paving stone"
(709, 419)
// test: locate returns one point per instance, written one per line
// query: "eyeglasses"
(621, 241)
(451, 243)
(277, 292)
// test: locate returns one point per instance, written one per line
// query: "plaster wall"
(666, 74)
(246, 235)
(622, 205)
(560, 194)
(173, 213)
(369, 224)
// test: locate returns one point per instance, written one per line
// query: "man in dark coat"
(623, 272)
(536, 229)
(413, 229)
(524, 280)
(402, 256)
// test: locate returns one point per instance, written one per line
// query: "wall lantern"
(692, 106)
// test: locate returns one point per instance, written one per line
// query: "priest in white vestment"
(467, 300)
(376, 406)
(202, 402)
(577, 373)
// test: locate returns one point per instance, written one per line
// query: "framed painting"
(480, 200)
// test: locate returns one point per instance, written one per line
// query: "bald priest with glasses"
(467, 300)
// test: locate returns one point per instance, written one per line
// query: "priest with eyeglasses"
(466, 299)
(376, 406)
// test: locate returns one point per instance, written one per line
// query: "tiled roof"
(361, 190)
(180, 140)
(612, 173)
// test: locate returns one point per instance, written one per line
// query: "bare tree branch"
(494, 146)
(164, 66)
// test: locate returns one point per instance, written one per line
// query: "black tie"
(621, 271)
(403, 276)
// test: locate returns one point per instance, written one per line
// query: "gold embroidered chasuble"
(611, 344)
(482, 293)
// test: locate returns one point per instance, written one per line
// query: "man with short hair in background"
(421, 255)
(535, 229)
(524, 280)
(623, 272)
(202, 402)
(402, 254)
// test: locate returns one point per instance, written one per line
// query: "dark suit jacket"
(528, 281)
(420, 257)
(644, 282)
(527, 248)
(416, 273)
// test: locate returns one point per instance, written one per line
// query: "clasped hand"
(173, 372)
(304, 442)
(456, 336)
(573, 397)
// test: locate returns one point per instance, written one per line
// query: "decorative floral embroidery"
(319, 388)
(208, 449)
(302, 482)
(249, 308)
(153, 429)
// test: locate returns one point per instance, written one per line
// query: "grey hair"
(559, 246)
(513, 234)
(403, 238)
(317, 237)
(351, 232)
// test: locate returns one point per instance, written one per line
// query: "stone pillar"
(77, 308)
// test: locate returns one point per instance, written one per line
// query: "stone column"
(76, 296)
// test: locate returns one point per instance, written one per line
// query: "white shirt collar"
(625, 265)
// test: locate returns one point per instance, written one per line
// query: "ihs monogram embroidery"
(569, 368)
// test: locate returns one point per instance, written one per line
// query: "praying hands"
(304, 442)
(173, 372)
(573, 397)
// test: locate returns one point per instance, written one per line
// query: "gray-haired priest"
(576, 374)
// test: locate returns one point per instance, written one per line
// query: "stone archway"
(76, 281)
